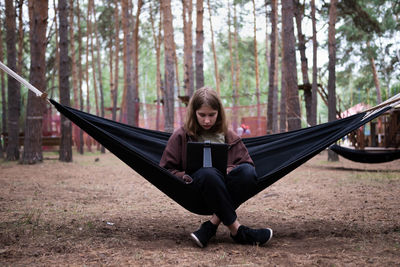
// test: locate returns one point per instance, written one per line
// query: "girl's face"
(206, 116)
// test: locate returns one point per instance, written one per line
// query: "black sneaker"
(206, 231)
(246, 235)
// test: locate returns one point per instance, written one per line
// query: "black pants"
(224, 194)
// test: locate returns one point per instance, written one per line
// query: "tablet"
(206, 154)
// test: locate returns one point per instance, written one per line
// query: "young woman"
(205, 120)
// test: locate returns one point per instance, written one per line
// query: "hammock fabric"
(274, 155)
(366, 156)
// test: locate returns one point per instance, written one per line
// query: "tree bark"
(116, 65)
(299, 14)
(199, 44)
(157, 46)
(14, 93)
(188, 47)
(272, 114)
(289, 64)
(237, 63)
(88, 34)
(314, 87)
(135, 51)
(216, 72)
(169, 94)
(127, 106)
(375, 76)
(3, 94)
(99, 66)
(232, 67)
(332, 156)
(75, 129)
(35, 107)
(80, 75)
(256, 71)
(64, 74)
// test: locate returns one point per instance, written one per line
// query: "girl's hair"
(205, 96)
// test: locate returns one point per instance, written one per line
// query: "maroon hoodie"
(174, 156)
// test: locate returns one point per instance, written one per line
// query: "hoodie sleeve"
(172, 158)
(238, 152)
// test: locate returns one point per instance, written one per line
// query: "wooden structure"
(383, 132)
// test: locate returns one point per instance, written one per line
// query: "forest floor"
(98, 211)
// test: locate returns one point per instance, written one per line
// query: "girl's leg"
(211, 184)
(241, 183)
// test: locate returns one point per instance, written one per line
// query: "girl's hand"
(187, 179)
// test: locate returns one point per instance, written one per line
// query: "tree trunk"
(283, 105)
(169, 95)
(299, 14)
(332, 156)
(199, 44)
(314, 87)
(3, 94)
(256, 71)
(216, 72)
(157, 45)
(127, 99)
(35, 107)
(135, 51)
(14, 93)
(20, 62)
(66, 127)
(272, 115)
(188, 47)
(88, 34)
(80, 75)
(375, 75)
(93, 59)
(99, 67)
(75, 129)
(232, 65)
(116, 71)
(237, 63)
(289, 64)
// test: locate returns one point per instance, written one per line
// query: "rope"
(392, 100)
(23, 81)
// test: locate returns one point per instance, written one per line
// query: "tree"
(188, 47)
(199, 44)
(332, 156)
(80, 73)
(216, 72)
(157, 47)
(314, 86)
(74, 73)
(256, 70)
(34, 111)
(289, 64)
(135, 57)
(64, 74)
(272, 112)
(168, 93)
(114, 89)
(3, 94)
(299, 14)
(14, 94)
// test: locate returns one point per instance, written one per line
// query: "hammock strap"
(23, 81)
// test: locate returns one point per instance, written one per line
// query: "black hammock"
(366, 156)
(274, 155)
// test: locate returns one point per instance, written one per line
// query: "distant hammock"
(366, 155)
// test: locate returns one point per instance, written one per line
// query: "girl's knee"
(209, 176)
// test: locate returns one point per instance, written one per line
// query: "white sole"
(272, 233)
(196, 240)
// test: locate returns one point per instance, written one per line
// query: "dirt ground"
(98, 211)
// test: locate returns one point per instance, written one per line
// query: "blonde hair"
(205, 96)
